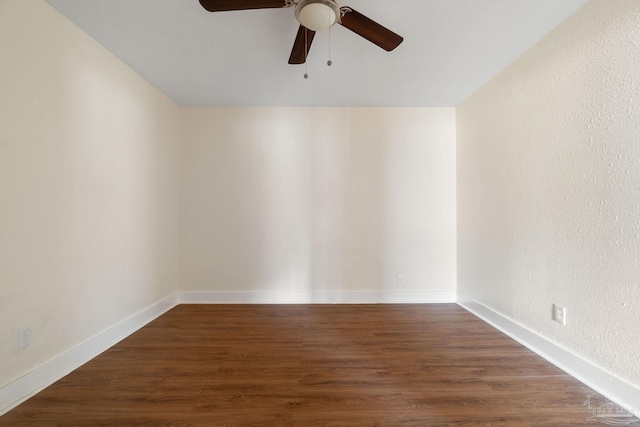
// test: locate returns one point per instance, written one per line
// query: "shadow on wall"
(314, 201)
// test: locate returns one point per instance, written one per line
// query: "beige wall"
(315, 200)
(549, 187)
(88, 187)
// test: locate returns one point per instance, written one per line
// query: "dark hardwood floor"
(312, 365)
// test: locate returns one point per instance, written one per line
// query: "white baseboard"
(329, 297)
(27, 386)
(617, 390)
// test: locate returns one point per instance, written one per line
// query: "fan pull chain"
(329, 62)
(306, 52)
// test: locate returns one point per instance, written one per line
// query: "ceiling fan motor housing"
(317, 15)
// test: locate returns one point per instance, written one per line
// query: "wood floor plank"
(312, 365)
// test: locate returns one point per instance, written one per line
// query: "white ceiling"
(451, 49)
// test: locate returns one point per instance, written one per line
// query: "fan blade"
(225, 5)
(299, 53)
(370, 30)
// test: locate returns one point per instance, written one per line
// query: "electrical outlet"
(400, 280)
(560, 314)
(24, 336)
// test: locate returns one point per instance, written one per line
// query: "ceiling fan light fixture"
(317, 15)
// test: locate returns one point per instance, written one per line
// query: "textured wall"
(549, 187)
(88, 187)
(318, 199)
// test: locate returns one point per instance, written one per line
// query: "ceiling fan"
(315, 15)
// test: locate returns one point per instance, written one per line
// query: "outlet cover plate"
(24, 336)
(560, 314)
